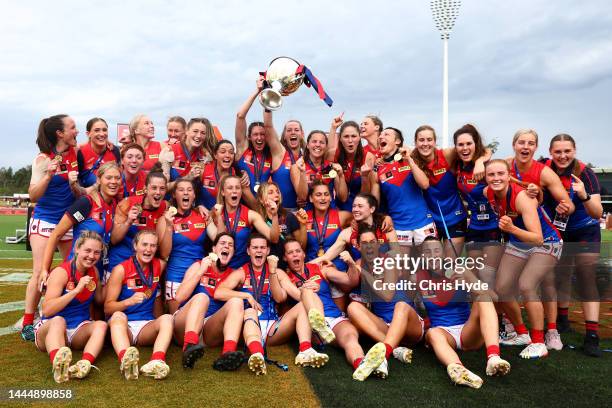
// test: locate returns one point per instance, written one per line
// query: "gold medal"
(321, 251)
(148, 292)
(213, 257)
(256, 188)
(397, 157)
(172, 211)
(58, 158)
(333, 173)
(91, 286)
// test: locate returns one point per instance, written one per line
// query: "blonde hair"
(220, 198)
(262, 195)
(134, 124)
(106, 167)
(88, 234)
(522, 132)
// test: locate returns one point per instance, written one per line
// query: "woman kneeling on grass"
(132, 291)
(454, 326)
(219, 322)
(65, 323)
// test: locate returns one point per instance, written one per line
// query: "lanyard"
(106, 208)
(127, 192)
(217, 177)
(98, 161)
(257, 287)
(143, 277)
(300, 277)
(292, 157)
(318, 171)
(258, 167)
(320, 234)
(73, 270)
(228, 226)
(501, 210)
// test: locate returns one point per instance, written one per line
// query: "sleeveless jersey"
(352, 176)
(282, 177)
(237, 223)
(58, 196)
(445, 306)
(482, 216)
(443, 191)
(381, 237)
(208, 284)
(183, 160)
(146, 220)
(322, 173)
(256, 166)
(579, 218)
(312, 272)
(187, 244)
(152, 152)
(532, 175)
(77, 311)
(508, 207)
(406, 205)
(89, 162)
(210, 184)
(134, 282)
(329, 235)
(257, 283)
(135, 188)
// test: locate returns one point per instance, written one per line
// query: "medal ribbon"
(320, 234)
(257, 286)
(126, 191)
(300, 277)
(258, 168)
(231, 228)
(143, 277)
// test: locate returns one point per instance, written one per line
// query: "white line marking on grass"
(7, 330)
(12, 306)
(16, 277)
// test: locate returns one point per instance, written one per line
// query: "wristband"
(587, 198)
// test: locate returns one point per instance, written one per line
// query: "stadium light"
(445, 13)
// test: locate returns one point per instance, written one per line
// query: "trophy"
(283, 77)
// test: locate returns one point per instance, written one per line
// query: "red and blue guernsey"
(77, 311)
(579, 218)
(187, 244)
(406, 205)
(320, 173)
(384, 309)
(58, 196)
(237, 224)
(208, 284)
(88, 215)
(482, 216)
(282, 177)
(152, 152)
(210, 184)
(133, 188)
(312, 272)
(139, 279)
(257, 283)
(184, 159)
(322, 234)
(445, 306)
(507, 207)
(533, 175)
(146, 220)
(352, 176)
(442, 193)
(381, 237)
(257, 165)
(89, 162)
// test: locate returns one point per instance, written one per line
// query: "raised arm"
(241, 124)
(276, 147)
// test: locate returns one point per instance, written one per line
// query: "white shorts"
(44, 229)
(268, 328)
(334, 321)
(335, 292)
(455, 332)
(69, 332)
(553, 249)
(417, 236)
(171, 288)
(135, 327)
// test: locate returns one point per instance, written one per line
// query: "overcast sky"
(541, 64)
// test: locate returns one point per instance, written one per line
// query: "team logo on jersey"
(142, 221)
(211, 282)
(182, 165)
(439, 171)
(387, 176)
(211, 183)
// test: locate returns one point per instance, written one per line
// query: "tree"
(14, 182)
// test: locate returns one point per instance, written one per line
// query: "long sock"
(537, 336)
(388, 350)
(190, 337)
(52, 354)
(120, 355)
(305, 345)
(492, 351)
(521, 329)
(158, 355)
(255, 347)
(562, 314)
(228, 346)
(89, 357)
(356, 362)
(591, 327)
(551, 326)
(28, 318)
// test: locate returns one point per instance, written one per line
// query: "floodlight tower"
(445, 13)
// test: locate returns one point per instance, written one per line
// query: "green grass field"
(566, 378)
